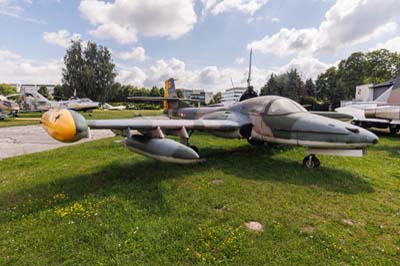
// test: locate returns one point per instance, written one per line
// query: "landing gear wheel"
(194, 148)
(393, 130)
(311, 162)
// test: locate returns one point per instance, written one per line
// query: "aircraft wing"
(161, 99)
(335, 115)
(166, 124)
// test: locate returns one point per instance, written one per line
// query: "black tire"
(311, 162)
(317, 162)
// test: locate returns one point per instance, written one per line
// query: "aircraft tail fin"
(38, 97)
(170, 99)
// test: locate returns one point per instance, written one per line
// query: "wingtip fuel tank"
(64, 125)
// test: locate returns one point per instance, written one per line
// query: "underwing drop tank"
(165, 150)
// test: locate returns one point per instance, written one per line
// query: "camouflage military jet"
(7, 107)
(270, 119)
(35, 102)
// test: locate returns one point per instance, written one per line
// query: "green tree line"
(336, 83)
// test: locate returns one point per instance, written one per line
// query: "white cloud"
(61, 38)
(134, 76)
(275, 20)
(137, 53)
(245, 6)
(392, 45)
(346, 23)
(240, 60)
(162, 70)
(210, 77)
(10, 8)
(123, 20)
(121, 34)
(262, 19)
(308, 67)
(16, 69)
(15, 9)
(287, 42)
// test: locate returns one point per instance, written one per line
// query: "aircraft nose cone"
(367, 137)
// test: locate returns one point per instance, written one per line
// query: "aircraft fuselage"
(279, 120)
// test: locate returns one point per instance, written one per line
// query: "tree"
(359, 68)
(271, 87)
(327, 89)
(310, 88)
(179, 93)
(351, 72)
(73, 72)
(89, 71)
(294, 85)
(288, 84)
(59, 92)
(217, 98)
(6, 89)
(381, 66)
(44, 91)
(155, 92)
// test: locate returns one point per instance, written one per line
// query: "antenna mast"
(249, 78)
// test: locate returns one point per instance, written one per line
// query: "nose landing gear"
(311, 162)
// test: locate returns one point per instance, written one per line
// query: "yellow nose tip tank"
(64, 125)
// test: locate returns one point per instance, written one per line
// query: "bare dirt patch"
(217, 182)
(350, 222)
(307, 229)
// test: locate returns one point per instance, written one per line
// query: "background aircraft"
(384, 112)
(7, 107)
(107, 106)
(35, 102)
(270, 119)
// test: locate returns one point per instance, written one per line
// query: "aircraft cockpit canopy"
(85, 100)
(284, 106)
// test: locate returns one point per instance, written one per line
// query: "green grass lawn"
(99, 204)
(96, 114)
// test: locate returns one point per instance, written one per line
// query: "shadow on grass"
(140, 181)
(260, 163)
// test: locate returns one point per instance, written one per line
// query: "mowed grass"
(99, 204)
(23, 119)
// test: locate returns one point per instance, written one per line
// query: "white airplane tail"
(38, 97)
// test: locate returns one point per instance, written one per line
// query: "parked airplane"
(383, 112)
(107, 106)
(35, 102)
(8, 106)
(270, 119)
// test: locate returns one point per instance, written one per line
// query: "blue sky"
(203, 43)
